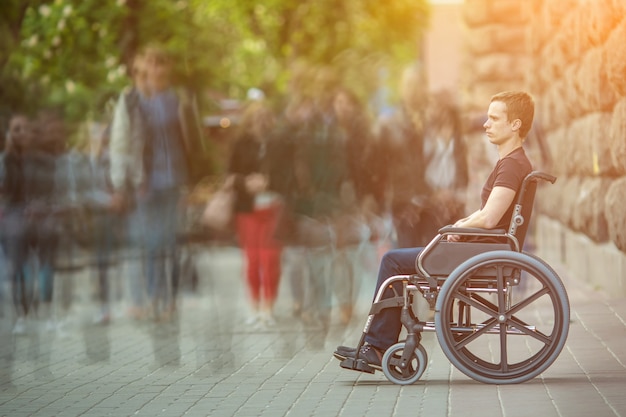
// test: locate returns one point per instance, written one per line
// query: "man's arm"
(488, 217)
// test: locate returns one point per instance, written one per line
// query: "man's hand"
(453, 238)
(456, 238)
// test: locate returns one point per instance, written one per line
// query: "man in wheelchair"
(509, 119)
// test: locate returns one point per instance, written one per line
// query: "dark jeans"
(158, 216)
(24, 238)
(386, 326)
(105, 239)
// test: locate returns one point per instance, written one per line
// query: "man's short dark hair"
(519, 105)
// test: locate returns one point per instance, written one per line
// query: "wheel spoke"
(502, 305)
(478, 303)
(504, 358)
(528, 301)
(501, 290)
(488, 325)
(521, 326)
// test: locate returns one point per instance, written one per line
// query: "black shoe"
(343, 352)
(368, 353)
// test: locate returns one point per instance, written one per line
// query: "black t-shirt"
(509, 172)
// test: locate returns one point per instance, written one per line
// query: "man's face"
(498, 127)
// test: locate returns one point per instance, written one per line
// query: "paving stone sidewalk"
(208, 362)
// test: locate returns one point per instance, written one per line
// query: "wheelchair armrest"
(451, 230)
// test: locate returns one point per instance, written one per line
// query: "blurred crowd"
(322, 187)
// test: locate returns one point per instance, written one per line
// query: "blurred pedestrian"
(445, 165)
(321, 156)
(72, 185)
(96, 205)
(401, 148)
(350, 226)
(255, 170)
(107, 221)
(128, 135)
(19, 138)
(293, 129)
(153, 135)
(4, 281)
(29, 221)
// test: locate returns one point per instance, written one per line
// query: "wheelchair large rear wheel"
(502, 317)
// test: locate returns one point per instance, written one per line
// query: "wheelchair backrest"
(520, 219)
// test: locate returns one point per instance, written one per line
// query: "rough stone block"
(569, 197)
(573, 104)
(615, 212)
(480, 12)
(593, 82)
(556, 11)
(615, 51)
(588, 213)
(599, 20)
(617, 137)
(568, 37)
(600, 162)
(619, 7)
(497, 38)
(576, 149)
(499, 66)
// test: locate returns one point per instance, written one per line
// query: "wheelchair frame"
(476, 304)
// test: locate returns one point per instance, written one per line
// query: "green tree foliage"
(74, 54)
(63, 55)
(263, 39)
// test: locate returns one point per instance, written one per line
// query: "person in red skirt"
(255, 172)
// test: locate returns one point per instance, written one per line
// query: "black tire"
(412, 372)
(505, 337)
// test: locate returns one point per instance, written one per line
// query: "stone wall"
(571, 56)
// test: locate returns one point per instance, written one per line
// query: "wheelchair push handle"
(538, 175)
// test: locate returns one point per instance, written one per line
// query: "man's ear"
(516, 124)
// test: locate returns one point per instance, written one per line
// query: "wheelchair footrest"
(357, 365)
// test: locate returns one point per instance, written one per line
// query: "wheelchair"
(501, 315)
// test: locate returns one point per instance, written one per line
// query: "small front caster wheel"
(400, 371)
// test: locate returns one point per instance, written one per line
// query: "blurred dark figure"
(293, 130)
(321, 157)
(255, 171)
(29, 221)
(4, 281)
(106, 220)
(350, 223)
(88, 221)
(402, 143)
(445, 165)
